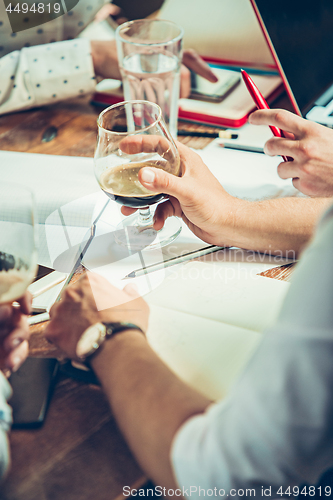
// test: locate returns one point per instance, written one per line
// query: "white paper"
(206, 354)
(65, 191)
(228, 292)
(251, 176)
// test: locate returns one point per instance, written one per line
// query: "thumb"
(132, 290)
(158, 180)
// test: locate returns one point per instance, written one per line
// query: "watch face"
(90, 340)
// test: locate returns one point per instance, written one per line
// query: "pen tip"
(130, 275)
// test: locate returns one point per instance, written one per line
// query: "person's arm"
(44, 74)
(125, 366)
(148, 414)
(308, 143)
(274, 428)
(280, 226)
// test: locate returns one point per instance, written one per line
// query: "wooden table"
(78, 454)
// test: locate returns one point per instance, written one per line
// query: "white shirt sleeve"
(5, 423)
(276, 427)
(44, 74)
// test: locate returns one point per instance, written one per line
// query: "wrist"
(115, 349)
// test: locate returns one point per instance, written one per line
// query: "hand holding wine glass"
(17, 270)
(197, 197)
(119, 157)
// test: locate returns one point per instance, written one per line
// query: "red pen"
(261, 104)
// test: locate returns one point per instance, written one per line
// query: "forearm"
(149, 402)
(283, 225)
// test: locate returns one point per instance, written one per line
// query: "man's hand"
(14, 333)
(113, 11)
(309, 143)
(92, 299)
(105, 61)
(192, 61)
(197, 197)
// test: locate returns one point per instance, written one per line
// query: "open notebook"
(206, 325)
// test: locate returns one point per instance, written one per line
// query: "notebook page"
(228, 292)
(206, 354)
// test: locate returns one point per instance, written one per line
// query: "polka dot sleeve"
(45, 74)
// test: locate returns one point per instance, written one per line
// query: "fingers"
(157, 180)
(164, 210)
(132, 290)
(25, 303)
(280, 146)
(8, 311)
(148, 144)
(16, 345)
(194, 62)
(288, 170)
(17, 356)
(185, 82)
(106, 11)
(127, 210)
(5, 313)
(280, 118)
(17, 336)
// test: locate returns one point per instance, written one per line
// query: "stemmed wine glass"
(133, 135)
(18, 254)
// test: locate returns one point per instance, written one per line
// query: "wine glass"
(18, 254)
(133, 135)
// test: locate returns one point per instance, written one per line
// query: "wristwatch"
(94, 337)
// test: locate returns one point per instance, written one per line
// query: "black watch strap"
(111, 330)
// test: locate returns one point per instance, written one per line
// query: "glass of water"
(150, 54)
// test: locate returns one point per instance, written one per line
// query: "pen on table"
(240, 147)
(223, 134)
(173, 261)
(261, 104)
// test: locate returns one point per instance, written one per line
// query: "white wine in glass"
(18, 254)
